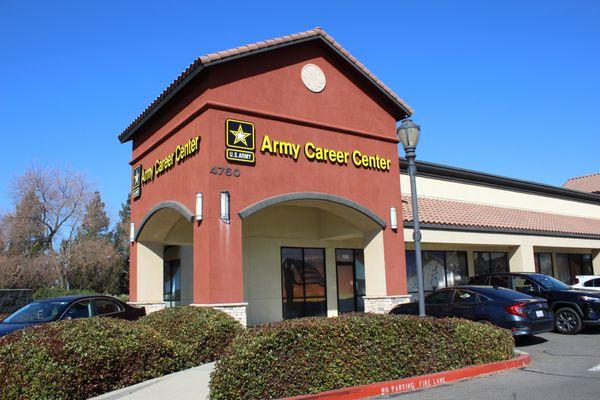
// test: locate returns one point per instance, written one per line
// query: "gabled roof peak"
(253, 48)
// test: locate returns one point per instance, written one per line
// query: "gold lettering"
(266, 145)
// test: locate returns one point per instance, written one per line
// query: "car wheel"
(567, 321)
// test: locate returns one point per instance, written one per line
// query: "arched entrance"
(164, 242)
(310, 254)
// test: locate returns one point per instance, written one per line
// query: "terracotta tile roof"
(227, 55)
(462, 214)
(587, 183)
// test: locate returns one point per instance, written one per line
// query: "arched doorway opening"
(310, 254)
(165, 256)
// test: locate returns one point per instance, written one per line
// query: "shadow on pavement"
(529, 341)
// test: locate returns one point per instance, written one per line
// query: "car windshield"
(38, 311)
(550, 283)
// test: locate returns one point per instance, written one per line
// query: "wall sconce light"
(198, 207)
(225, 207)
(393, 218)
(132, 232)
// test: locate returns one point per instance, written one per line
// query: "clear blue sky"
(507, 87)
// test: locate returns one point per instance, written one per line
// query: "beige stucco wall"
(297, 226)
(150, 272)
(468, 192)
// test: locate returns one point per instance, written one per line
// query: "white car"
(587, 282)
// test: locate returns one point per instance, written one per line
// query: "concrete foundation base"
(236, 310)
(383, 304)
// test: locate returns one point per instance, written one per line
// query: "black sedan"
(68, 307)
(522, 314)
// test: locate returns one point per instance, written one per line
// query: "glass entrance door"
(172, 283)
(350, 267)
(303, 282)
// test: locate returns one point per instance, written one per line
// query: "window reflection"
(440, 269)
(303, 282)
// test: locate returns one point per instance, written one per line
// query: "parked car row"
(525, 303)
(68, 307)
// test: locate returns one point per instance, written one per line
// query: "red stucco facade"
(266, 90)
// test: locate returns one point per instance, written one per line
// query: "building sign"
(142, 176)
(136, 187)
(240, 138)
(239, 141)
(324, 155)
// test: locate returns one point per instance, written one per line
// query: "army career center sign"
(163, 165)
(240, 147)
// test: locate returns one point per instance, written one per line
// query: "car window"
(592, 283)
(106, 306)
(464, 297)
(480, 280)
(81, 309)
(38, 311)
(441, 297)
(500, 281)
(522, 283)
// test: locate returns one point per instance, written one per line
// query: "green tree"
(121, 242)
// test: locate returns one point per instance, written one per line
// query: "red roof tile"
(588, 183)
(463, 214)
(227, 55)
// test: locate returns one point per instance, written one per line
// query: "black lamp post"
(408, 133)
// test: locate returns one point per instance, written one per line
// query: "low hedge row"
(200, 334)
(82, 358)
(312, 355)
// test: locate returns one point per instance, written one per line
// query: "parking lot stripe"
(595, 369)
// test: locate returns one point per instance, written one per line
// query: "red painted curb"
(417, 382)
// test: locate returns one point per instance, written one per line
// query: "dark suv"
(573, 308)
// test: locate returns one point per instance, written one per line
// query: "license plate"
(539, 313)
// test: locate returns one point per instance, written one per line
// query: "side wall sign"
(163, 165)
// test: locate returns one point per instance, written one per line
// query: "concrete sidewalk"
(190, 384)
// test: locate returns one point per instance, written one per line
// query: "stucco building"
(265, 182)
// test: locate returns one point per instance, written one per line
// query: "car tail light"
(517, 309)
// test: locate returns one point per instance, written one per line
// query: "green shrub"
(200, 334)
(80, 358)
(312, 355)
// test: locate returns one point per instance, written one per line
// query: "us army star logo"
(240, 135)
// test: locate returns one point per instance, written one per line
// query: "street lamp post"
(408, 133)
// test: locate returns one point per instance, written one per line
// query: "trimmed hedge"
(200, 334)
(81, 358)
(312, 355)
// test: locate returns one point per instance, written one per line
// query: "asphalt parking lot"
(563, 367)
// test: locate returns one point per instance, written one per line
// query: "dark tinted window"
(543, 263)
(480, 280)
(303, 282)
(440, 269)
(105, 306)
(81, 309)
(489, 262)
(441, 297)
(501, 281)
(592, 283)
(465, 297)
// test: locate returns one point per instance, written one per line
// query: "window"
(350, 268)
(105, 306)
(172, 282)
(441, 297)
(500, 281)
(571, 265)
(543, 263)
(464, 297)
(303, 282)
(81, 309)
(592, 283)
(490, 262)
(523, 284)
(440, 269)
